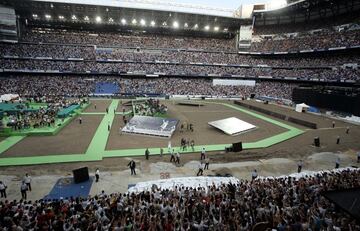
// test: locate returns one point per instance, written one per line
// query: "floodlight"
(207, 27)
(47, 16)
(175, 24)
(123, 21)
(216, 28)
(73, 17)
(134, 21)
(98, 19)
(142, 22)
(152, 23)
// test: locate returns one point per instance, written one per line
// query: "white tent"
(302, 107)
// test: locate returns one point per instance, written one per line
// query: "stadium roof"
(154, 5)
(306, 10)
(125, 13)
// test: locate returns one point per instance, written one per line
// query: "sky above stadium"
(229, 4)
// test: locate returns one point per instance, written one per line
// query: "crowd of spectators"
(107, 38)
(28, 117)
(150, 107)
(281, 203)
(188, 57)
(321, 40)
(328, 74)
(37, 87)
(202, 86)
(76, 86)
(55, 51)
(23, 50)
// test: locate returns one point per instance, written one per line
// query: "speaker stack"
(317, 142)
(237, 147)
(81, 175)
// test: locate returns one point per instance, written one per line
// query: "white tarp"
(232, 126)
(301, 107)
(234, 82)
(193, 182)
(8, 97)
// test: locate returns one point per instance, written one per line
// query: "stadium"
(166, 115)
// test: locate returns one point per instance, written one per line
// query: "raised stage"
(232, 126)
(152, 126)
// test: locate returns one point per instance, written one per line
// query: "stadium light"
(142, 22)
(164, 24)
(86, 18)
(226, 29)
(186, 25)
(98, 19)
(152, 23)
(207, 27)
(35, 15)
(73, 17)
(123, 21)
(61, 17)
(47, 16)
(111, 20)
(216, 28)
(134, 21)
(196, 26)
(175, 24)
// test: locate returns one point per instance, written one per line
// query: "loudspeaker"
(203, 97)
(81, 175)
(317, 142)
(237, 147)
(228, 149)
(252, 96)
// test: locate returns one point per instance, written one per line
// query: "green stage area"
(67, 115)
(96, 150)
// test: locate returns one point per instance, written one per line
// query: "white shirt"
(27, 179)
(2, 186)
(200, 166)
(97, 172)
(254, 174)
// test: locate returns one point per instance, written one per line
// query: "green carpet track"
(96, 150)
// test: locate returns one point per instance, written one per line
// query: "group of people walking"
(24, 187)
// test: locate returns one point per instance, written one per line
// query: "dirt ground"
(121, 106)
(299, 147)
(321, 121)
(101, 105)
(203, 134)
(73, 139)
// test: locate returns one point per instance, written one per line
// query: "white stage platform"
(152, 126)
(232, 126)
